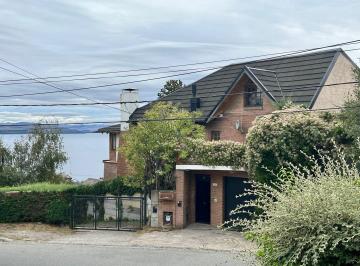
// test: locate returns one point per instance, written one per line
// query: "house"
(230, 99)
(116, 164)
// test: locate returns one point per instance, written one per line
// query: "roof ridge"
(287, 56)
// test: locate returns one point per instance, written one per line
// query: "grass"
(38, 187)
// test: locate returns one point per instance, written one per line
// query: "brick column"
(217, 200)
(180, 216)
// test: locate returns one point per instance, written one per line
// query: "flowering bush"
(224, 152)
(277, 138)
(311, 216)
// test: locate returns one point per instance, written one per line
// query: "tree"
(152, 147)
(279, 137)
(35, 157)
(170, 86)
(351, 112)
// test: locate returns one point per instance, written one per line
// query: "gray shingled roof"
(110, 129)
(293, 71)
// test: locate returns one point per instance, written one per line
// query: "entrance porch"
(205, 194)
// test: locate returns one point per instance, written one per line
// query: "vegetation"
(170, 86)
(39, 187)
(50, 203)
(35, 157)
(310, 217)
(229, 153)
(278, 138)
(152, 147)
(351, 112)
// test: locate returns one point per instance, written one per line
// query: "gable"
(292, 74)
(335, 96)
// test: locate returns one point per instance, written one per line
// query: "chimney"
(126, 96)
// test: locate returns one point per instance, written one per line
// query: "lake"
(85, 151)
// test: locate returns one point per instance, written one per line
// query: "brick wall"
(116, 165)
(233, 109)
(185, 192)
(110, 169)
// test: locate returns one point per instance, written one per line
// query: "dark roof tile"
(292, 72)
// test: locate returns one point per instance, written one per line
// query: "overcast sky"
(65, 37)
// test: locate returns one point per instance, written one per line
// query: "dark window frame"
(252, 97)
(113, 145)
(215, 135)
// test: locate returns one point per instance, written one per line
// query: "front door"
(202, 199)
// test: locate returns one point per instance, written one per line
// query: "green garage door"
(234, 186)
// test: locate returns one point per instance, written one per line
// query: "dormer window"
(252, 97)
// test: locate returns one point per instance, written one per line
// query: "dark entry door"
(235, 186)
(202, 199)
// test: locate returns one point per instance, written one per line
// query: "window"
(113, 141)
(215, 135)
(252, 97)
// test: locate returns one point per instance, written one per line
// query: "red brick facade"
(116, 165)
(233, 109)
(183, 206)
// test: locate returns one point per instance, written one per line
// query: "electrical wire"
(309, 87)
(281, 54)
(47, 84)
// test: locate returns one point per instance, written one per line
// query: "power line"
(178, 118)
(308, 87)
(286, 53)
(103, 86)
(45, 83)
(2, 83)
(142, 80)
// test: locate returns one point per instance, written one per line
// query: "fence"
(107, 212)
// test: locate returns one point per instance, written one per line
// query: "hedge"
(52, 206)
(46, 207)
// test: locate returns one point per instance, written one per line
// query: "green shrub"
(49, 203)
(58, 212)
(33, 207)
(311, 216)
(278, 138)
(223, 152)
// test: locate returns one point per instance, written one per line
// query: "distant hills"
(23, 128)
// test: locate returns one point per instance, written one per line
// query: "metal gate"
(107, 212)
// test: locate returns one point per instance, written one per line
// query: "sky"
(67, 37)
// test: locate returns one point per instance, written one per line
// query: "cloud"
(63, 37)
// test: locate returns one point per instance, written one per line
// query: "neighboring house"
(230, 99)
(116, 164)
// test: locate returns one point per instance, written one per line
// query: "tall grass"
(38, 187)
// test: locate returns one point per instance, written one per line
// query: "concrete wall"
(335, 96)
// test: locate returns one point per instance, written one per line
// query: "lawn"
(38, 187)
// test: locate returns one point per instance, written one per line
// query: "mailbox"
(168, 219)
(166, 195)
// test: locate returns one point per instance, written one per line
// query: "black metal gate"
(107, 212)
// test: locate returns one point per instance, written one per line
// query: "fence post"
(94, 211)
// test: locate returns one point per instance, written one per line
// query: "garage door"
(235, 186)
